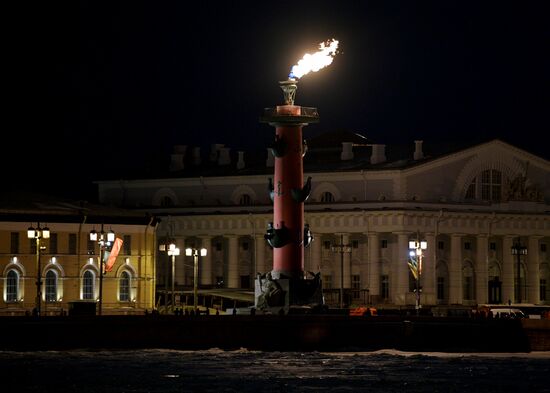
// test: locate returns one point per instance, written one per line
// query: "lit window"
(88, 285)
(51, 286)
(124, 287)
(12, 286)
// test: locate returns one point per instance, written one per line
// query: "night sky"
(104, 89)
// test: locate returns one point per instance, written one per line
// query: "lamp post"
(194, 252)
(104, 240)
(416, 252)
(342, 249)
(173, 252)
(37, 234)
(518, 250)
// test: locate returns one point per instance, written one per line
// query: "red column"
(289, 259)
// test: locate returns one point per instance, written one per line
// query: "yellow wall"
(140, 262)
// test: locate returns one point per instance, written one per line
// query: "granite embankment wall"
(275, 333)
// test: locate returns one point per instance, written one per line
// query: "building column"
(455, 270)
(347, 261)
(317, 244)
(402, 269)
(180, 275)
(482, 269)
(374, 265)
(427, 277)
(533, 270)
(259, 254)
(233, 261)
(205, 266)
(508, 263)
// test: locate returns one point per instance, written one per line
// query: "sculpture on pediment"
(520, 188)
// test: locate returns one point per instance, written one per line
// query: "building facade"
(472, 206)
(66, 264)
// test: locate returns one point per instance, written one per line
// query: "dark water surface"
(254, 371)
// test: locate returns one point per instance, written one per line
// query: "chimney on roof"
(347, 151)
(378, 154)
(418, 154)
(177, 158)
(196, 157)
(240, 160)
(224, 158)
(270, 162)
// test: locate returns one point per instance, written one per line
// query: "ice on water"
(215, 370)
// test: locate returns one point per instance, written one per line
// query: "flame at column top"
(314, 62)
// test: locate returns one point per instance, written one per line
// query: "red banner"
(114, 253)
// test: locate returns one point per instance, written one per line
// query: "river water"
(214, 370)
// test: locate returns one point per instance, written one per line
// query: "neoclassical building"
(471, 205)
(65, 262)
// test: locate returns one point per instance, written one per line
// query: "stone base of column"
(284, 295)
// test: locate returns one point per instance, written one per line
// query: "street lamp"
(342, 249)
(172, 252)
(37, 234)
(104, 240)
(416, 253)
(194, 252)
(518, 250)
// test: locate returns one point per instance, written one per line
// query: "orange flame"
(314, 62)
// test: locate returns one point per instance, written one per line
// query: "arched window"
(166, 201)
(491, 185)
(327, 197)
(487, 187)
(88, 285)
(51, 286)
(245, 200)
(124, 287)
(12, 286)
(471, 192)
